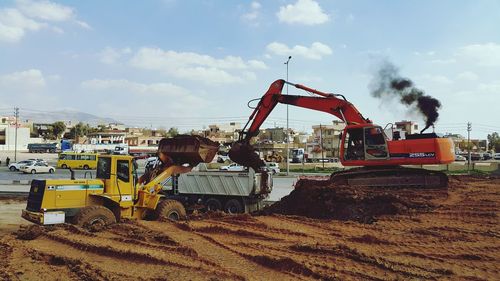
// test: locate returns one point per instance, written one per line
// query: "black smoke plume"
(388, 83)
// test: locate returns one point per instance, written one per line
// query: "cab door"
(375, 144)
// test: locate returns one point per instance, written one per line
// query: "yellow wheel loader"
(116, 193)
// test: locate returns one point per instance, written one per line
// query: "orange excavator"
(363, 144)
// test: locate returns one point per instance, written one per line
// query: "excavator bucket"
(244, 154)
(185, 149)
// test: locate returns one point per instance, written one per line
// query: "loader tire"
(94, 218)
(169, 210)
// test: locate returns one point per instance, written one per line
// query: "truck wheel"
(94, 218)
(64, 166)
(233, 206)
(170, 209)
(213, 204)
(85, 167)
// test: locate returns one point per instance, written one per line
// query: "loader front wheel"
(94, 218)
(170, 210)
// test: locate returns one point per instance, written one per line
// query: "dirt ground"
(428, 235)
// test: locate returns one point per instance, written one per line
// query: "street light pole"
(287, 127)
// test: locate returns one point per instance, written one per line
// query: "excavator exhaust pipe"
(192, 150)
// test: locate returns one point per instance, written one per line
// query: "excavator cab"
(364, 143)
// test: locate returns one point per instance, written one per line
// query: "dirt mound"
(29, 233)
(324, 200)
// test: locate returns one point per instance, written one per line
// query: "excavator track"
(395, 177)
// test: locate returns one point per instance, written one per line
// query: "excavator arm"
(335, 104)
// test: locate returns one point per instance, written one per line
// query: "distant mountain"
(66, 115)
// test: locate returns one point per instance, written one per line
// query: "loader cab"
(360, 143)
(119, 174)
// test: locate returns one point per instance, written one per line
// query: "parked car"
(272, 167)
(36, 168)
(460, 158)
(232, 167)
(487, 156)
(496, 156)
(222, 158)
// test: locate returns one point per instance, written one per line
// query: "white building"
(8, 137)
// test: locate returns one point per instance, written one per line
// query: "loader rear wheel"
(170, 210)
(94, 218)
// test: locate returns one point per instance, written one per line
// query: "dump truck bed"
(225, 183)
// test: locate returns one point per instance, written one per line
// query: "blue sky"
(189, 64)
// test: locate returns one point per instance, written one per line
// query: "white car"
(460, 158)
(273, 167)
(18, 165)
(232, 167)
(36, 168)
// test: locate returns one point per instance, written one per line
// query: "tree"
(81, 129)
(172, 132)
(58, 129)
(494, 142)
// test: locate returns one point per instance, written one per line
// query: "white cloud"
(29, 15)
(436, 79)
(30, 80)
(83, 24)
(194, 66)
(110, 55)
(491, 88)
(45, 10)
(162, 89)
(316, 51)
(443, 61)
(253, 14)
(468, 76)
(483, 54)
(306, 12)
(13, 25)
(153, 97)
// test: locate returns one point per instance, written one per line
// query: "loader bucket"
(244, 154)
(189, 149)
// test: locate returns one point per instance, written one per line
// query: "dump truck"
(231, 192)
(115, 193)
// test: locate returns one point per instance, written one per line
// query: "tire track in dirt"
(216, 252)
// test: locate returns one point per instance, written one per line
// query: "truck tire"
(233, 206)
(64, 166)
(85, 167)
(169, 209)
(94, 218)
(213, 204)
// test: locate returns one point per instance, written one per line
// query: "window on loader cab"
(122, 170)
(103, 168)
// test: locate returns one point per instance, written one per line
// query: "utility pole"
(287, 127)
(469, 128)
(321, 142)
(16, 113)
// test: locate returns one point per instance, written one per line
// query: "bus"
(75, 160)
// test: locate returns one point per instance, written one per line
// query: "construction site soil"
(319, 231)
